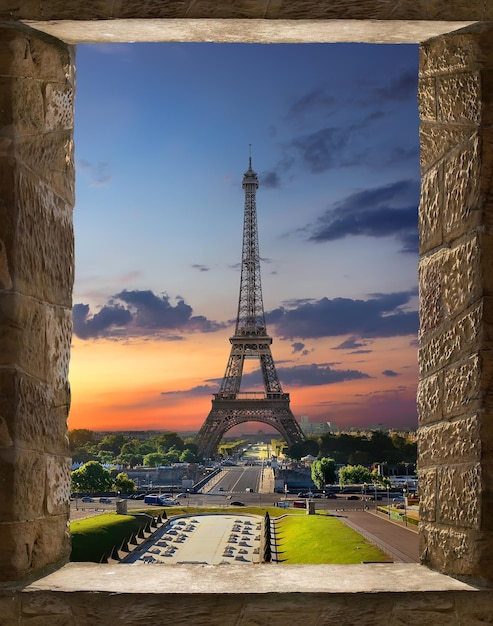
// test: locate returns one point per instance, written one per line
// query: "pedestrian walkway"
(205, 539)
(399, 542)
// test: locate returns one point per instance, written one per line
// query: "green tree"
(187, 456)
(310, 446)
(153, 459)
(378, 479)
(172, 456)
(323, 472)
(354, 475)
(91, 476)
(113, 443)
(79, 437)
(83, 455)
(169, 440)
(123, 483)
(296, 451)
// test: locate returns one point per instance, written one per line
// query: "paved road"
(401, 543)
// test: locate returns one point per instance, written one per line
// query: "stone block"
(430, 210)
(43, 257)
(428, 492)
(37, 235)
(46, 608)
(442, 546)
(461, 552)
(59, 105)
(459, 98)
(446, 55)
(23, 334)
(431, 305)
(486, 182)
(59, 334)
(50, 156)
(487, 429)
(58, 475)
(437, 140)
(477, 612)
(487, 489)
(10, 608)
(427, 99)
(459, 9)
(429, 399)
(22, 484)
(462, 190)
(450, 442)
(5, 276)
(462, 279)
(7, 213)
(463, 389)
(433, 609)
(31, 414)
(51, 542)
(22, 112)
(461, 337)
(459, 495)
(28, 53)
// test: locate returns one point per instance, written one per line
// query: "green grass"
(96, 536)
(315, 539)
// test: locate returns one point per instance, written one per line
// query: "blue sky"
(162, 140)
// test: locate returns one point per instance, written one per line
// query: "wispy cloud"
(99, 174)
(387, 211)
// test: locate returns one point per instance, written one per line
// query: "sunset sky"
(161, 145)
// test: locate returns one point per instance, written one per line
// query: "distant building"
(315, 428)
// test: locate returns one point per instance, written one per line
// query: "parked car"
(87, 499)
(352, 498)
(398, 499)
(237, 503)
(331, 496)
(105, 500)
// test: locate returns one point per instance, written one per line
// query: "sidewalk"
(398, 541)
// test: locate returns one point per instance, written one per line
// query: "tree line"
(128, 451)
(367, 449)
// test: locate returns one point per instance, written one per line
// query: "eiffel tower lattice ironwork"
(231, 407)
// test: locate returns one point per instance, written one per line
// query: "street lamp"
(388, 499)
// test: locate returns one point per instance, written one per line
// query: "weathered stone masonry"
(456, 310)
(456, 304)
(36, 276)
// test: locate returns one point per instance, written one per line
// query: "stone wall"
(36, 275)
(249, 9)
(456, 304)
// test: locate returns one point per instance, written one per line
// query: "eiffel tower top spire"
(250, 320)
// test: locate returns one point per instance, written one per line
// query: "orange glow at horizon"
(155, 385)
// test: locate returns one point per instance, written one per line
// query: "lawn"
(315, 539)
(94, 537)
(301, 538)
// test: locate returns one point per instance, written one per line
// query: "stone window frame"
(436, 80)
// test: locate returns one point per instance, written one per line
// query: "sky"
(162, 136)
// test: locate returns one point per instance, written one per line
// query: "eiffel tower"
(231, 407)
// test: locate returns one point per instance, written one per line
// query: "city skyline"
(162, 136)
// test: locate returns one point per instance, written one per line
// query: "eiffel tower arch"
(231, 406)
